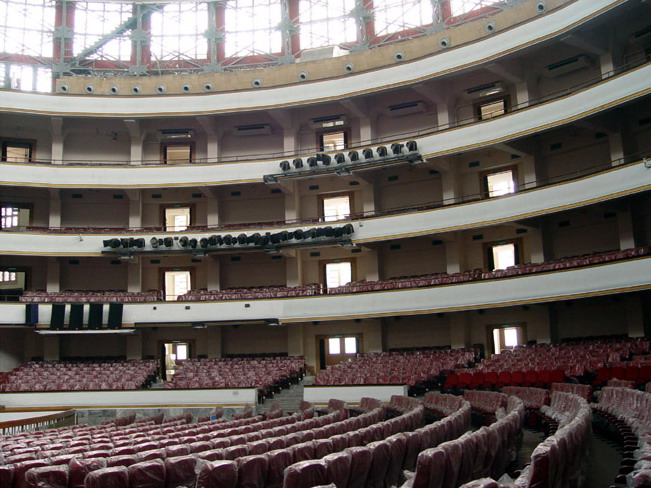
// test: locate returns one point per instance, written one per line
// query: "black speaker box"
(95, 312)
(31, 314)
(58, 315)
(115, 315)
(76, 316)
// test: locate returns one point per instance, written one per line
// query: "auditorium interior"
(371, 290)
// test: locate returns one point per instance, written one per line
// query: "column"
(54, 218)
(134, 346)
(295, 340)
(528, 168)
(214, 135)
(445, 112)
(459, 330)
(634, 315)
(294, 269)
(450, 182)
(56, 156)
(215, 36)
(53, 274)
(616, 142)
(455, 253)
(213, 281)
(137, 139)
(292, 201)
(51, 348)
(625, 229)
(212, 207)
(62, 45)
(214, 342)
(371, 265)
(135, 208)
(134, 275)
(536, 246)
(140, 43)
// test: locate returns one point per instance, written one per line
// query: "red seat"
(530, 377)
(503, 379)
(338, 468)
(79, 469)
(217, 473)
(147, 474)
(180, 471)
(252, 471)
(306, 474)
(47, 477)
(360, 464)
(113, 477)
(277, 461)
(430, 469)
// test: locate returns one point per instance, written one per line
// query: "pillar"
(445, 112)
(529, 177)
(625, 229)
(634, 315)
(137, 139)
(450, 184)
(294, 269)
(214, 342)
(371, 265)
(54, 217)
(454, 254)
(459, 330)
(212, 208)
(51, 348)
(292, 201)
(213, 281)
(134, 275)
(295, 340)
(135, 208)
(53, 278)
(134, 346)
(57, 140)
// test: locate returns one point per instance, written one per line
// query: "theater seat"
(113, 477)
(180, 471)
(216, 473)
(381, 457)
(47, 477)
(252, 471)
(338, 468)
(277, 461)
(79, 469)
(306, 474)
(360, 464)
(430, 469)
(147, 474)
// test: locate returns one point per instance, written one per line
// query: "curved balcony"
(621, 276)
(608, 184)
(542, 29)
(597, 98)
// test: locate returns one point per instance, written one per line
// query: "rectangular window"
(338, 273)
(178, 152)
(8, 277)
(326, 23)
(507, 337)
(503, 254)
(333, 141)
(177, 219)
(350, 345)
(335, 207)
(334, 345)
(17, 151)
(176, 283)
(493, 108)
(498, 183)
(252, 27)
(9, 217)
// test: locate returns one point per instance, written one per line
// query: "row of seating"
(630, 411)
(560, 459)
(74, 376)
(313, 289)
(268, 375)
(485, 452)
(410, 368)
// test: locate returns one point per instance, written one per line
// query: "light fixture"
(84, 331)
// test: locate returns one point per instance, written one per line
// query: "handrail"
(395, 137)
(12, 427)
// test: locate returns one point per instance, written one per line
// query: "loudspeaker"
(57, 316)
(31, 314)
(115, 315)
(76, 316)
(95, 312)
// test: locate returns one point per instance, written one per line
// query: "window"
(334, 345)
(176, 283)
(177, 152)
(336, 207)
(460, 7)
(26, 77)
(490, 109)
(252, 27)
(178, 31)
(93, 21)
(9, 217)
(17, 151)
(8, 278)
(350, 345)
(499, 183)
(392, 16)
(507, 337)
(503, 254)
(27, 27)
(177, 219)
(333, 141)
(326, 23)
(338, 273)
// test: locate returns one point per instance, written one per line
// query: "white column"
(134, 346)
(459, 330)
(213, 281)
(214, 342)
(529, 177)
(454, 254)
(292, 201)
(214, 135)
(625, 228)
(445, 111)
(57, 140)
(51, 348)
(54, 217)
(634, 315)
(295, 340)
(134, 275)
(135, 208)
(137, 139)
(294, 269)
(53, 278)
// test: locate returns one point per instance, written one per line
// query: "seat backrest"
(338, 468)
(277, 461)
(306, 474)
(107, 477)
(47, 477)
(147, 474)
(79, 469)
(180, 471)
(216, 473)
(360, 465)
(252, 471)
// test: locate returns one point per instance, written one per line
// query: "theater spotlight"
(298, 163)
(284, 236)
(299, 235)
(310, 233)
(340, 158)
(348, 229)
(367, 153)
(312, 162)
(193, 243)
(396, 148)
(412, 146)
(284, 165)
(154, 242)
(339, 232)
(184, 241)
(353, 156)
(324, 158)
(265, 239)
(241, 239)
(275, 238)
(212, 240)
(228, 239)
(125, 243)
(328, 231)
(168, 241)
(203, 242)
(382, 151)
(139, 243)
(112, 243)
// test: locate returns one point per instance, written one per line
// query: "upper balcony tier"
(606, 94)
(416, 61)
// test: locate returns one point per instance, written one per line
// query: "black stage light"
(168, 241)
(382, 151)
(367, 153)
(241, 239)
(312, 162)
(396, 148)
(184, 241)
(154, 242)
(412, 145)
(340, 158)
(203, 242)
(284, 165)
(353, 156)
(298, 163)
